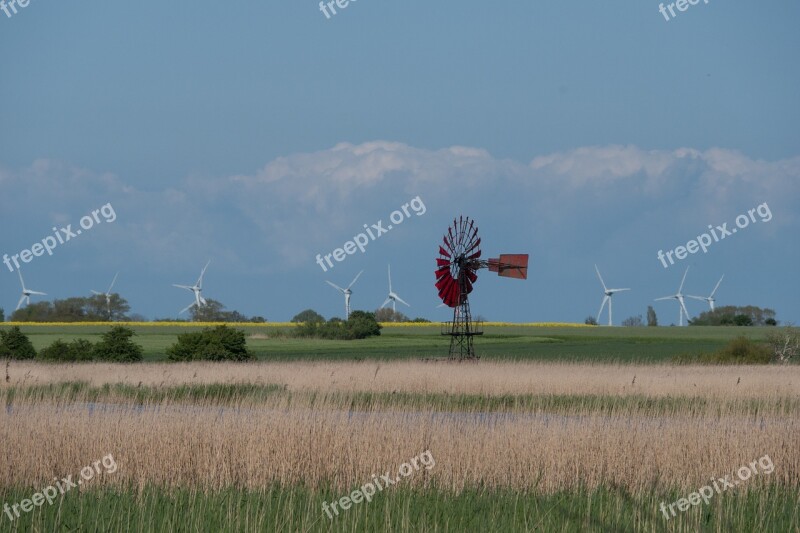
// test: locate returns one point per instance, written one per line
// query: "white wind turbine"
(710, 298)
(393, 296)
(608, 293)
(197, 289)
(26, 293)
(107, 294)
(680, 297)
(347, 293)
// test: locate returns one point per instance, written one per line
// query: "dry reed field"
(524, 428)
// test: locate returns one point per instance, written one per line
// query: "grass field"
(555, 429)
(578, 344)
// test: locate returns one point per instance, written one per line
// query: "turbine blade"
(385, 302)
(182, 287)
(683, 280)
(354, 279)
(716, 287)
(97, 293)
(21, 281)
(390, 278)
(187, 308)
(602, 305)
(665, 298)
(396, 297)
(202, 273)
(112, 283)
(701, 298)
(335, 286)
(601, 277)
(685, 312)
(39, 293)
(19, 304)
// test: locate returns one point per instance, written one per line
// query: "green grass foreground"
(565, 344)
(298, 509)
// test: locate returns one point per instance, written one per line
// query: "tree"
(309, 315)
(387, 314)
(784, 343)
(590, 320)
(116, 345)
(633, 321)
(727, 316)
(2, 315)
(214, 311)
(75, 309)
(652, 319)
(16, 344)
(60, 351)
(221, 343)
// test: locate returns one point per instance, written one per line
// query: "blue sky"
(260, 134)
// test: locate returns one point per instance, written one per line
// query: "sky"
(260, 134)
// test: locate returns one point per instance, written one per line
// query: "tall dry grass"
(487, 378)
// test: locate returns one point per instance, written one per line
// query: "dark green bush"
(116, 345)
(360, 325)
(77, 350)
(221, 343)
(740, 351)
(17, 345)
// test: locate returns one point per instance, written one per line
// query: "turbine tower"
(347, 293)
(710, 298)
(680, 297)
(107, 294)
(393, 297)
(607, 298)
(26, 293)
(196, 289)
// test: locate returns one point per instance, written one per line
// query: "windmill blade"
(617, 290)
(390, 279)
(203, 300)
(37, 292)
(187, 308)
(355, 279)
(21, 281)
(716, 287)
(665, 298)
(601, 278)
(685, 312)
(202, 273)
(112, 283)
(183, 287)
(701, 298)
(19, 304)
(683, 280)
(335, 286)
(602, 306)
(396, 297)
(386, 302)
(97, 293)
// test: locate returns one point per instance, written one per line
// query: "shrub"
(77, 350)
(17, 345)
(784, 343)
(360, 325)
(743, 351)
(221, 343)
(117, 346)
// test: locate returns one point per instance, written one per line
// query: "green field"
(598, 344)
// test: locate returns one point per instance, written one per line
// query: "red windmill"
(458, 264)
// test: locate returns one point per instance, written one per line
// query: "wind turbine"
(679, 296)
(26, 293)
(607, 298)
(347, 293)
(393, 296)
(710, 298)
(107, 294)
(197, 288)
